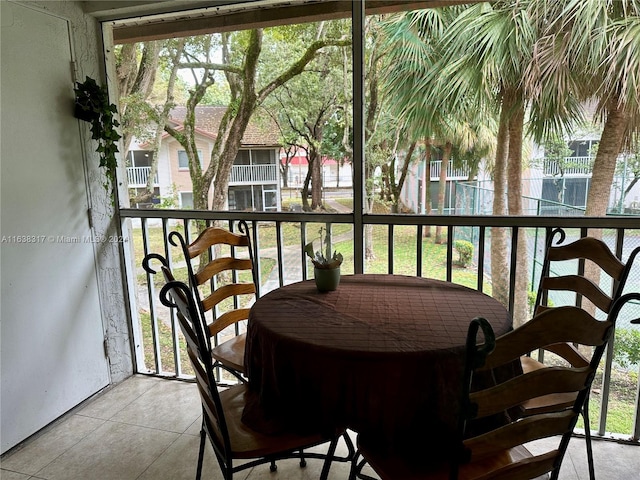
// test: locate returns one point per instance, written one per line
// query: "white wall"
(87, 43)
(60, 299)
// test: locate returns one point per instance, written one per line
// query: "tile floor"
(135, 431)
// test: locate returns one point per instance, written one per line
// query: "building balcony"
(452, 172)
(572, 166)
(280, 238)
(137, 177)
(254, 174)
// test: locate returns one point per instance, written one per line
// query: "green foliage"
(92, 105)
(532, 296)
(171, 200)
(556, 149)
(627, 347)
(465, 252)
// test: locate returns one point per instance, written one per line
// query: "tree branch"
(298, 66)
(211, 66)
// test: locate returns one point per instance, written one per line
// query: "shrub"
(465, 252)
(627, 347)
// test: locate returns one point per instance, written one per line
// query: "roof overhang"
(221, 16)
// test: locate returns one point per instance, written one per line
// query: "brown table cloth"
(382, 355)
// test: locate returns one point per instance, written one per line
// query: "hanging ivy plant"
(92, 105)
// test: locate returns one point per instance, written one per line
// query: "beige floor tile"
(85, 446)
(194, 428)
(612, 461)
(8, 475)
(115, 451)
(50, 444)
(179, 462)
(113, 401)
(171, 406)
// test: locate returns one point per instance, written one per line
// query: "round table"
(382, 355)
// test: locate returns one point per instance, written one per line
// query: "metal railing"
(401, 248)
(571, 166)
(253, 174)
(452, 173)
(138, 176)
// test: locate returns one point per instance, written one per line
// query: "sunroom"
(81, 322)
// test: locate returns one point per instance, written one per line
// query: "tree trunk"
(315, 162)
(427, 184)
(134, 79)
(499, 262)
(514, 198)
(305, 191)
(234, 121)
(368, 202)
(284, 174)
(604, 166)
(442, 186)
(164, 115)
(397, 187)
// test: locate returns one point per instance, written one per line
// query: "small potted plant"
(326, 267)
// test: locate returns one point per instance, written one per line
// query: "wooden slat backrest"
(540, 382)
(217, 286)
(214, 236)
(227, 291)
(533, 467)
(585, 250)
(228, 318)
(567, 324)
(590, 248)
(580, 285)
(520, 432)
(220, 265)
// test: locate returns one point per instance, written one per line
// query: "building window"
(582, 148)
(139, 158)
(256, 198)
(186, 200)
(183, 161)
(262, 157)
(242, 158)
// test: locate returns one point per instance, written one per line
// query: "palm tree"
(474, 66)
(590, 51)
(413, 42)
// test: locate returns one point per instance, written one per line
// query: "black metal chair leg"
(327, 462)
(354, 466)
(273, 467)
(587, 439)
(303, 461)
(203, 439)
(350, 447)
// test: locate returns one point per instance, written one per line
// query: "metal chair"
(499, 452)
(557, 278)
(224, 286)
(222, 410)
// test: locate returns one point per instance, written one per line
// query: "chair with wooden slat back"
(504, 451)
(575, 284)
(219, 289)
(222, 410)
